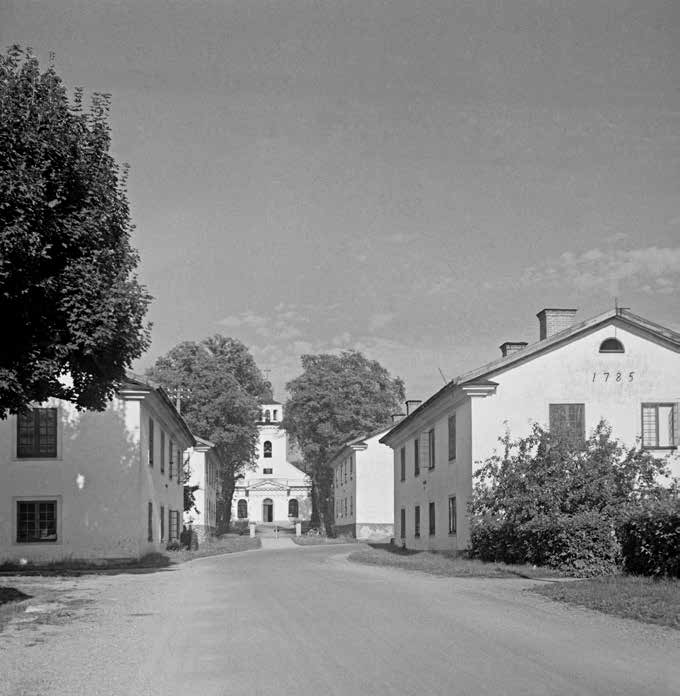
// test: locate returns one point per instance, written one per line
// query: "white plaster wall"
(374, 485)
(99, 480)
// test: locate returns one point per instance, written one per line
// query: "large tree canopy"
(69, 298)
(220, 388)
(337, 398)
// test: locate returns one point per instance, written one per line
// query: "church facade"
(275, 491)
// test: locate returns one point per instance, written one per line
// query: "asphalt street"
(304, 621)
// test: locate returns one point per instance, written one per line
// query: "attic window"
(611, 345)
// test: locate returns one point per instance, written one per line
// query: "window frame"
(432, 518)
(52, 422)
(36, 502)
(162, 457)
(581, 438)
(149, 522)
(416, 456)
(239, 516)
(416, 521)
(453, 445)
(151, 444)
(431, 444)
(675, 414)
(297, 508)
(267, 471)
(402, 524)
(267, 449)
(402, 464)
(619, 349)
(453, 511)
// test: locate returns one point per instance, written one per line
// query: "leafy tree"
(69, 297)
(336, 398)
(548, 501)
(221, 389)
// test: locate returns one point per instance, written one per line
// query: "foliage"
(650, 539)
(190, 499)
(547, 502)
(335, 399)
(220, 388)
(69, 296)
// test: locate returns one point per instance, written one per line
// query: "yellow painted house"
(616, 366)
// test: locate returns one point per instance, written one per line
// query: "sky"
(414, 180)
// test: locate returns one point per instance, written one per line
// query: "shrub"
(239, 527)
(172, 545)
(650, 539)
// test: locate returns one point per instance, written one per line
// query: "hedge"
(650, 540)
(582, 544)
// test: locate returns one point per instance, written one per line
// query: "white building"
(91, 485)
(275, 491)
(616, 366)
(203, 467)
(363, 488)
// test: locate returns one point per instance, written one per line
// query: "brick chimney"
(512, 347)
(552, 321)
(412, 405)
(396, 417)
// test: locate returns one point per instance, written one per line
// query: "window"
(267, 416)
(416, 520)
(568, 423)
(351, 468)
(402, 525)
(452, 437)
(351, 505)
(660, 425)
(432, 519)
(402, 460)
(267, 470)
(36, 521)
(149, 523)
(430, 449)
(171, 461)
(162, 522)
(275, 414)
(452, 514)
(37, 433)
(293, 508)
(171, 525)
(345, 506)
(611, 345)
(267, 449)
(344, 471)
(416, 457)
(242, 509)
(162, 451)
(150, 443)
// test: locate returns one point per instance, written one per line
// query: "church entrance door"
(267, 510)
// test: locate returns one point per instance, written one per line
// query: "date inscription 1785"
(613, 376)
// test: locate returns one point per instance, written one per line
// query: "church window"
(267, 470)
(275, 414)
(267, 449)
(267, 416)
(611, 345)
(242, 509)
(293, 508)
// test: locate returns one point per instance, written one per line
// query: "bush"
(239, 527)
(172, 545)
(650, 539)
(581, 544)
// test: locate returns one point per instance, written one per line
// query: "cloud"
(654, 270)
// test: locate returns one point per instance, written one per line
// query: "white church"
(275, 492)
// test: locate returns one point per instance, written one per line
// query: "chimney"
(396, 417)
(512, 347)
(552, 321)
(412, 405)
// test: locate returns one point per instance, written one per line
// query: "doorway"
(267, 510)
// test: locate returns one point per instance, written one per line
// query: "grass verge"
(319, 540)
(444, 564)
(643, 599)
(151, 562)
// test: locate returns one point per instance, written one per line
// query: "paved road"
(304, 621)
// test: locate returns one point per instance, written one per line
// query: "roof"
(134, 381)
(359, 440)
(480, 376)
